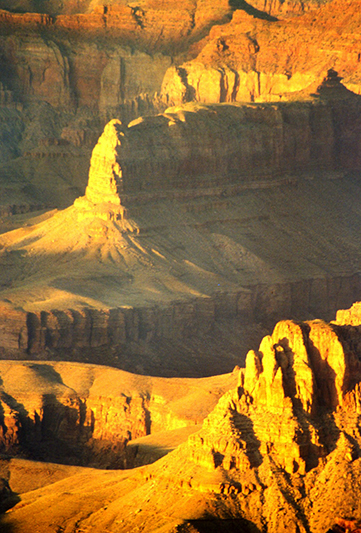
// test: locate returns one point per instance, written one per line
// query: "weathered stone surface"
(350, 316)
(65, 68)
(255, 59)
(135, 280)
(105, 174)
(85, 414)
(197, 146)
(40, 70)
(285, 430)
(155, 25)
(280, 451)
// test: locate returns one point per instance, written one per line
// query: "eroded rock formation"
(136, 283)
(83, 414)
(73, 66)
(280, 444)
(280, 451)
(253, 59)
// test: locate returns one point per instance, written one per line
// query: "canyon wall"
(137, 291)
(69, 69)
(252, 59)
(88, 414)
(148, 339)
(77, 73)
(195, 147)
(55, 99)
(282, 448)
(153, 25)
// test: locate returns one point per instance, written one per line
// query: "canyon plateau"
(176, 182)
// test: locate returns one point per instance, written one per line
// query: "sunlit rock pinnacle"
(105, 174)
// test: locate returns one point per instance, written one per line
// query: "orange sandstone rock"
(252, 59)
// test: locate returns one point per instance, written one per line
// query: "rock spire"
(105, 185)
(105, 174)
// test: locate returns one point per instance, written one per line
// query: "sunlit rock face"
(193, 217)
(283, 440)
(84, 414)
(105, 185)
(158, 25)
(255, 59)
(105, 174)
(279, 452)
(194, 147)
(303, 374)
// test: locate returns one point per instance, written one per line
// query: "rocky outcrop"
(253, 59)
(157, 26)
(147, 339)
(262, 142)
(86, 415)
(350, 316)
(55, 98)
(103, 60)
(277, 444)
(281, 452)
(105, 175)
(299, 374)
(135, 281)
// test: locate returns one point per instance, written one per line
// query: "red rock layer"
(251, 59)
(156, 25)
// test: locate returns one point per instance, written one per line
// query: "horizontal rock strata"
(225, 177)
(147, 339)
(199, 147)
(255, 59)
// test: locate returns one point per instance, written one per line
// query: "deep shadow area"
(250, 10)
(6, 527)
(8, 499)
(245, 427)
(223, 526)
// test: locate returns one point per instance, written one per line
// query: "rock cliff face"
(281, 451)
(78, 73)
(252, 59)
(135, 281)
(57, 92)
(82, 414)
(198, 147)
(300, 375)
(153, 24)
(278, 445)
(73, 66)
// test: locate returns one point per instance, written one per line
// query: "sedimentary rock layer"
(280, 451)
(155, 25)
(83, 414)
(51, 62)
(197, 147)
(252, 59)
(175, 234)
(148, 339)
